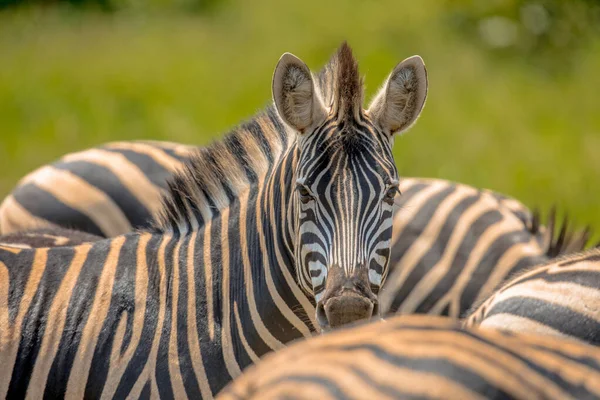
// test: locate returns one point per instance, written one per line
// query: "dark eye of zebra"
(305, 194)
(390, 195)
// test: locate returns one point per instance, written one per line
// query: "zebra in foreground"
(561, 299)
(423, 357)
(181, 309)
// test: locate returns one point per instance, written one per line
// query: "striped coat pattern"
(423, 357)
(561, 298)
(106, 191)
(180, 309)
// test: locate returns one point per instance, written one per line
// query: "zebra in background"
(454, 244)
(181, 309)
(105, 191)
(561, 299)
(423, 357)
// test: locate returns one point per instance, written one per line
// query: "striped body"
(219, 280)
(454, 244)
(107, 191)
(423, 358)
(146, 313)
(560, 299)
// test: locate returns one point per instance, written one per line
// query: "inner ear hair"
(401, 100)
(297, 97)
(294, 94)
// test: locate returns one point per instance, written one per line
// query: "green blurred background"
(513, 100)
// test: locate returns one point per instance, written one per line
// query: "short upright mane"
(214, 176)
(340, 83)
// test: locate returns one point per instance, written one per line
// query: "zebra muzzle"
(346, 300)
(346, 309)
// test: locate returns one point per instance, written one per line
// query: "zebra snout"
(344, 309)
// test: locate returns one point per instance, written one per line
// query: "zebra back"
(106, 191)
(454, 244)
(47, 237)
(423, 357)
(561, 298)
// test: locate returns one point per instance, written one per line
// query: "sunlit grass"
(73, 80)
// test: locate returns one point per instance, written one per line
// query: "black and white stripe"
(105, 191)
(561, 298)
(180, 309)
(422, 357)
(454, 244)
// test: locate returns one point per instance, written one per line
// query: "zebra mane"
(340, 83)
(568, 240)
(214, 176)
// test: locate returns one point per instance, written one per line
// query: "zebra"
(180, 309)
(561, 298)
(105, 191)
(424, 357)
(453, 245)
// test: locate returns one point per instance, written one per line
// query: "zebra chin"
(346, 299)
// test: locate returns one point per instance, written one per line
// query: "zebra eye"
(390, 195)
(305, 194)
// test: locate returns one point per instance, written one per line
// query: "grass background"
(522, 120)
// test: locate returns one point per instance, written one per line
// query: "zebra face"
(346, 185)
(345, 179)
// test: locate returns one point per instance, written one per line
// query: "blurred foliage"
(548, 33)
(508, 117)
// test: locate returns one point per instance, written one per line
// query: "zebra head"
(345, 178)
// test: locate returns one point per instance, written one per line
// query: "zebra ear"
(400, 101)
(294, 94)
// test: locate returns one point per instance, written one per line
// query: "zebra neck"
(279, 211)
(216, 176)
(267, 233)
(245, 280)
